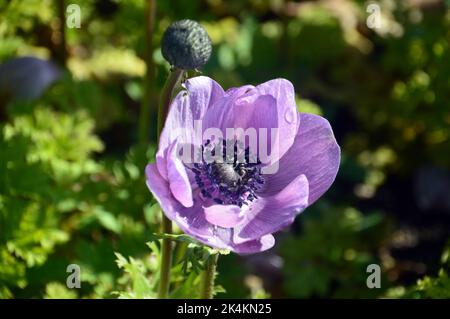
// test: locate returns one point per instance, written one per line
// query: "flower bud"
(186, 45)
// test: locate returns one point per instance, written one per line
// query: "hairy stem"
(166, 260)
(208, 277)
(166, 249)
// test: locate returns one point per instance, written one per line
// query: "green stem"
(208, 277)
(166, 260)
(61, 54)
(166, 96)
(181, 251)
(166, 249)
(146, 110)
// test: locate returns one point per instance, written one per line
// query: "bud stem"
(166, 96)
(208, 277)
(166, 248)
(147, 111)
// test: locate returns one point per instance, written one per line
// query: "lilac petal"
(177, 176)
(222, 114)
(161, 162)
(225, 216)
(255, 246)
(188, 107)
(192, 220)
(160, 189)
(247, 114)
(314, 153)
(283, 92)
(239, 91)
(270, 214)
(225, 239)
(270, 105)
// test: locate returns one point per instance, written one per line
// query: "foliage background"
(72, 188)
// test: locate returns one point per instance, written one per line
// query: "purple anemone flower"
(233, 167)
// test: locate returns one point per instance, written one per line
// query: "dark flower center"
(228, 173)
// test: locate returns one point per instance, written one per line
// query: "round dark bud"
(186, 45)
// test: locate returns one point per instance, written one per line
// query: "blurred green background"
(72, 154)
